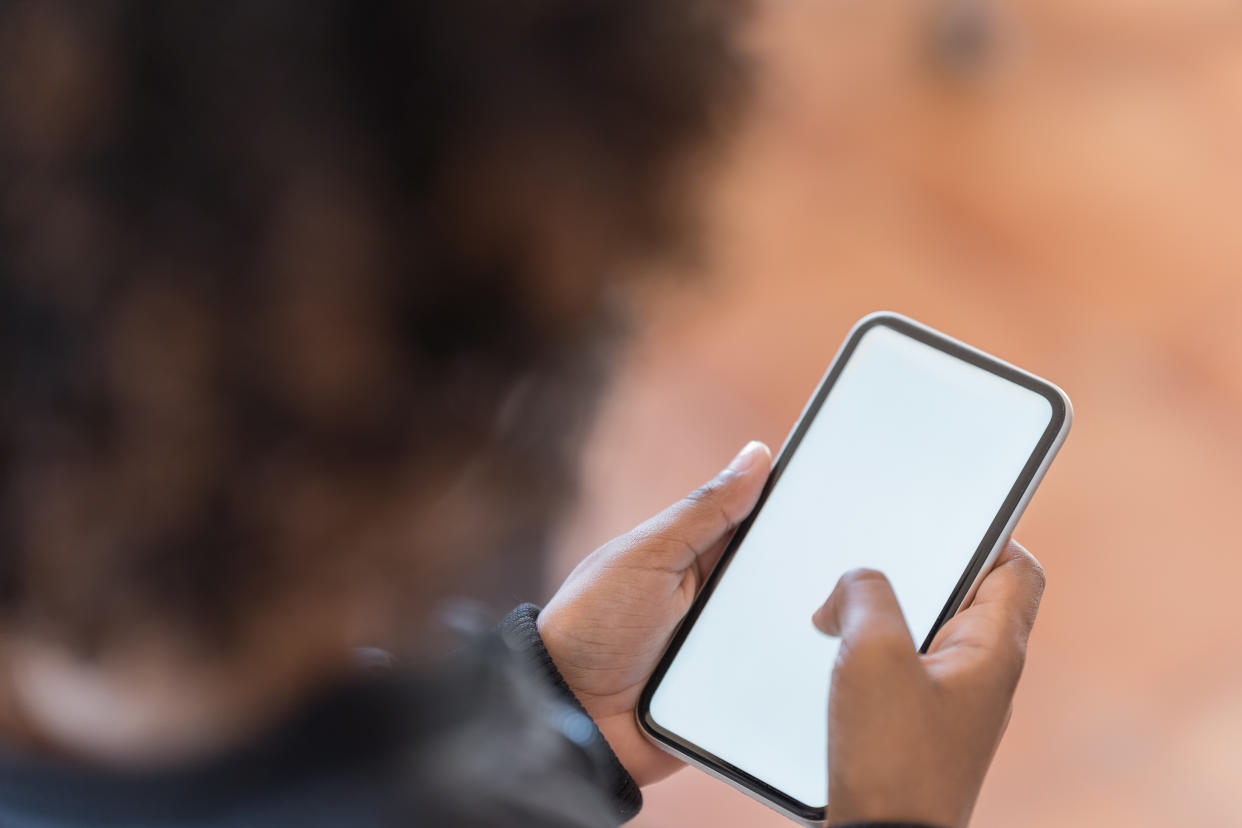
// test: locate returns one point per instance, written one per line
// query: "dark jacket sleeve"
(519, 631)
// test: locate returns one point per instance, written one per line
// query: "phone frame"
(993, 541)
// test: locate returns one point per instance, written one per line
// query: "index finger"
(863, 610)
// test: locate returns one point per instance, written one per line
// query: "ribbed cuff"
(522, 635)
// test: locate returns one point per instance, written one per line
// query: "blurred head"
(307, 301)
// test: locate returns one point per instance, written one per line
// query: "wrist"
(644, 763)
(613, 714)
(609, 726)
(894, 808)
(521, 631)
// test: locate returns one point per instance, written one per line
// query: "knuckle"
(891, 644)
(1039, 576)
(880, 644)
(1009, 665)
(1030, 565)
(881, 654)
(709, 501)
(707, 494)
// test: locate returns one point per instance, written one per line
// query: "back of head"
(303, 293)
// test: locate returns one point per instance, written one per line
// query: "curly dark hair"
(277, 276)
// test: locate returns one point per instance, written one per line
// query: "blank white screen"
(903, 470)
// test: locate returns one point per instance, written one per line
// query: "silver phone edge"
(715, 774)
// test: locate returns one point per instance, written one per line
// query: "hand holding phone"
(910, 738)
(607, 625)
(916, 456)
(895, 754)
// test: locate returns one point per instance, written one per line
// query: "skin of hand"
(910, 736)
(608, 624)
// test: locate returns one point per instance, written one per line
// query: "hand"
(609, 622)
(910, 737)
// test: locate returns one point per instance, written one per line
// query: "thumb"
(700, 522)
(862, 609)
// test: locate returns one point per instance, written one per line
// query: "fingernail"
(747, 457)
(824, 621)
(825, 618)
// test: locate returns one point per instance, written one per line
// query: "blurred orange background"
(1058, 182)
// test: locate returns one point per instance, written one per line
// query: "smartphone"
(916, 456)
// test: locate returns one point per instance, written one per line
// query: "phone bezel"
(996, 535)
